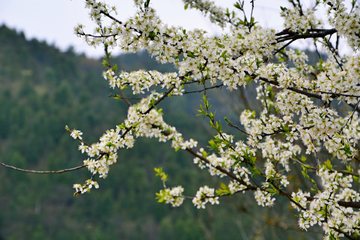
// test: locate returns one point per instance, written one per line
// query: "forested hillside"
(41, 91)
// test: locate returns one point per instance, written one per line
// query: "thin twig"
(313, 95)
(300, 8)
(234, 126)
(120, 22)
(345, 234)
(204, 89)
(110, 65)
(43, 172)
(160, 99)
(287, 44)
(117, 96)
(251, 14)
(97, 36)
(351, 117)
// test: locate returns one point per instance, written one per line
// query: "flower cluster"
(143, 121)
(298, 20)
(347, 23)
(203, 196)
(298, 123)
(76, 134)
(217, 14)
(264, 198)
(86, 187)
(325, 204)
(141, 81)
(173, 196)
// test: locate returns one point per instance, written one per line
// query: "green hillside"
(43, 89)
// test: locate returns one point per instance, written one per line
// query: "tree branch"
(43, 172)
(294, 36)
(204, 89)
(231, 175)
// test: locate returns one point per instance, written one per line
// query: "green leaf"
(357, 179)
(283, 8)
(190, 54)
(256, 172)
(258, 63)
(116, 96)
(328, 164)
(158, 171)
(227, 12)
(349, 169)
(211, 115)
(269, 88)
(152, 103)
(270, 107)
(105, 63)
(224, 190)
(282, 59)
(152, 35)
(122, 126)
(248, 79)
(202, 111)
(237, 5)
(262, 121)
(213, 145)
(252, 21)
(314, 190)
(146, 4)
(205, 100)
(272, 190)
(346, 148)
(160, 197)
(223, 186)
(285, 128)
(115, 67)
(320, 67)
(304, 173)
(164, 177)
(218, 126)
(109, 144)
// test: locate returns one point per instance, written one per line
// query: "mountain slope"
(42, 90)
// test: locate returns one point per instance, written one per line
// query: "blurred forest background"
(43, 89)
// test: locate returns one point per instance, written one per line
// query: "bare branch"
(110, 65)
(204, 89)
(43, 172)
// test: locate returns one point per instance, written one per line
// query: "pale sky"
(54, 20)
